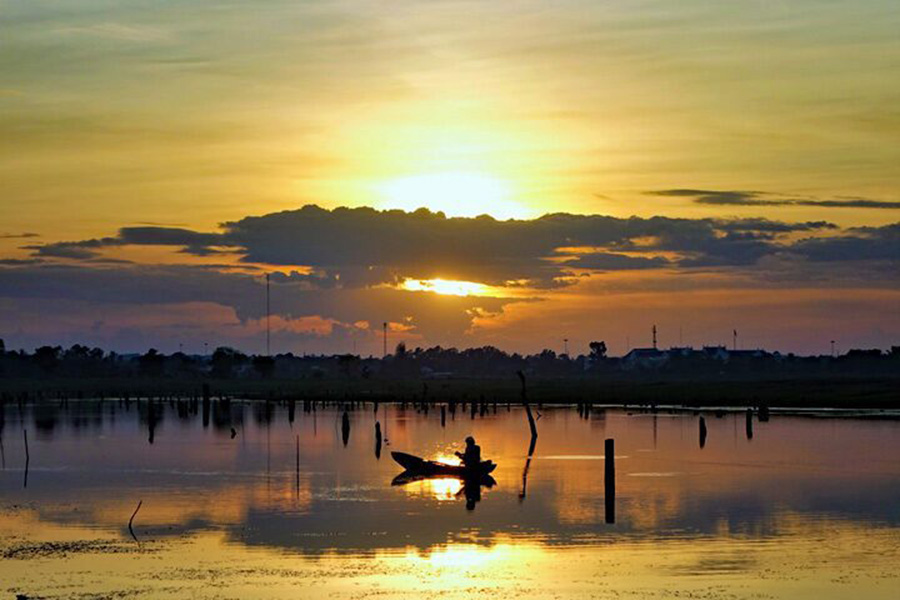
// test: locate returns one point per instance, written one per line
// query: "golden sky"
(190, 114)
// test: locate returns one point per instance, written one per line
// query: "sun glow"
(456, 194)
(446, 287)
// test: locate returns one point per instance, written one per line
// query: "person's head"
(470, 441)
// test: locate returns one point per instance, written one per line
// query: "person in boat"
(471, 456)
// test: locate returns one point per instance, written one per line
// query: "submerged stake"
(131, 520)
(609, 480)
(27, 457)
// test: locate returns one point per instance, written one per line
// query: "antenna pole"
(384, 328)
(268, 313)
(654, 337)
(734, 339)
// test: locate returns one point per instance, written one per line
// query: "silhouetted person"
(471, 457)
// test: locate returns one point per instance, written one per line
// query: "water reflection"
(445, 487)
(307, 483)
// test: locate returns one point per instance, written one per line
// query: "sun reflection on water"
(444, 488)
(463, 555)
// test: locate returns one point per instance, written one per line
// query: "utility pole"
(384, 329)
(566, 346)
(734, 339)
(654, 337)
(832, 348)
(268, 313)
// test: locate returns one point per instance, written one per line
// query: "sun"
(446, 287)
(456, 194)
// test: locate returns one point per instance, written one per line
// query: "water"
(805, 508)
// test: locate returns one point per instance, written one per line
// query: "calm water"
(805, 508)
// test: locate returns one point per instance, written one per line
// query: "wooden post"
(531, 423)
(527, 466)
(345, 428)
(131, 520)
(377, 440)
(702, 432)
(27, 456)
(609, 480)
(206, 403)
(534, 435)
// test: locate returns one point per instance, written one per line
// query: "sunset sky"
(701, 166)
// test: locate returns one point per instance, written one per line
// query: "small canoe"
(420, 466)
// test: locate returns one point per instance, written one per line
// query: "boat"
(429, 468)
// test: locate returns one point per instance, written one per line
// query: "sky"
(586, 170)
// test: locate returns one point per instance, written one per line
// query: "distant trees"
(264, 366)
(225, 360)
(151, 363)
(47, 358)
(347, 364)
(598, 350)
(435, 362)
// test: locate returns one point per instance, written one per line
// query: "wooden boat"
(426, 468)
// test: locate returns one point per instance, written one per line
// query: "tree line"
(80, 361)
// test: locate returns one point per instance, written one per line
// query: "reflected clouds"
(343, 500)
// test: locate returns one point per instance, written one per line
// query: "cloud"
(755, 198)
(608, 261)
(859, 244)
(346, 266)
(760, 225)
(177, 284)
(363, 247)
(18, 236)
(86, 249)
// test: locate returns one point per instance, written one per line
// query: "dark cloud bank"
(342, 264)
(362, 246)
